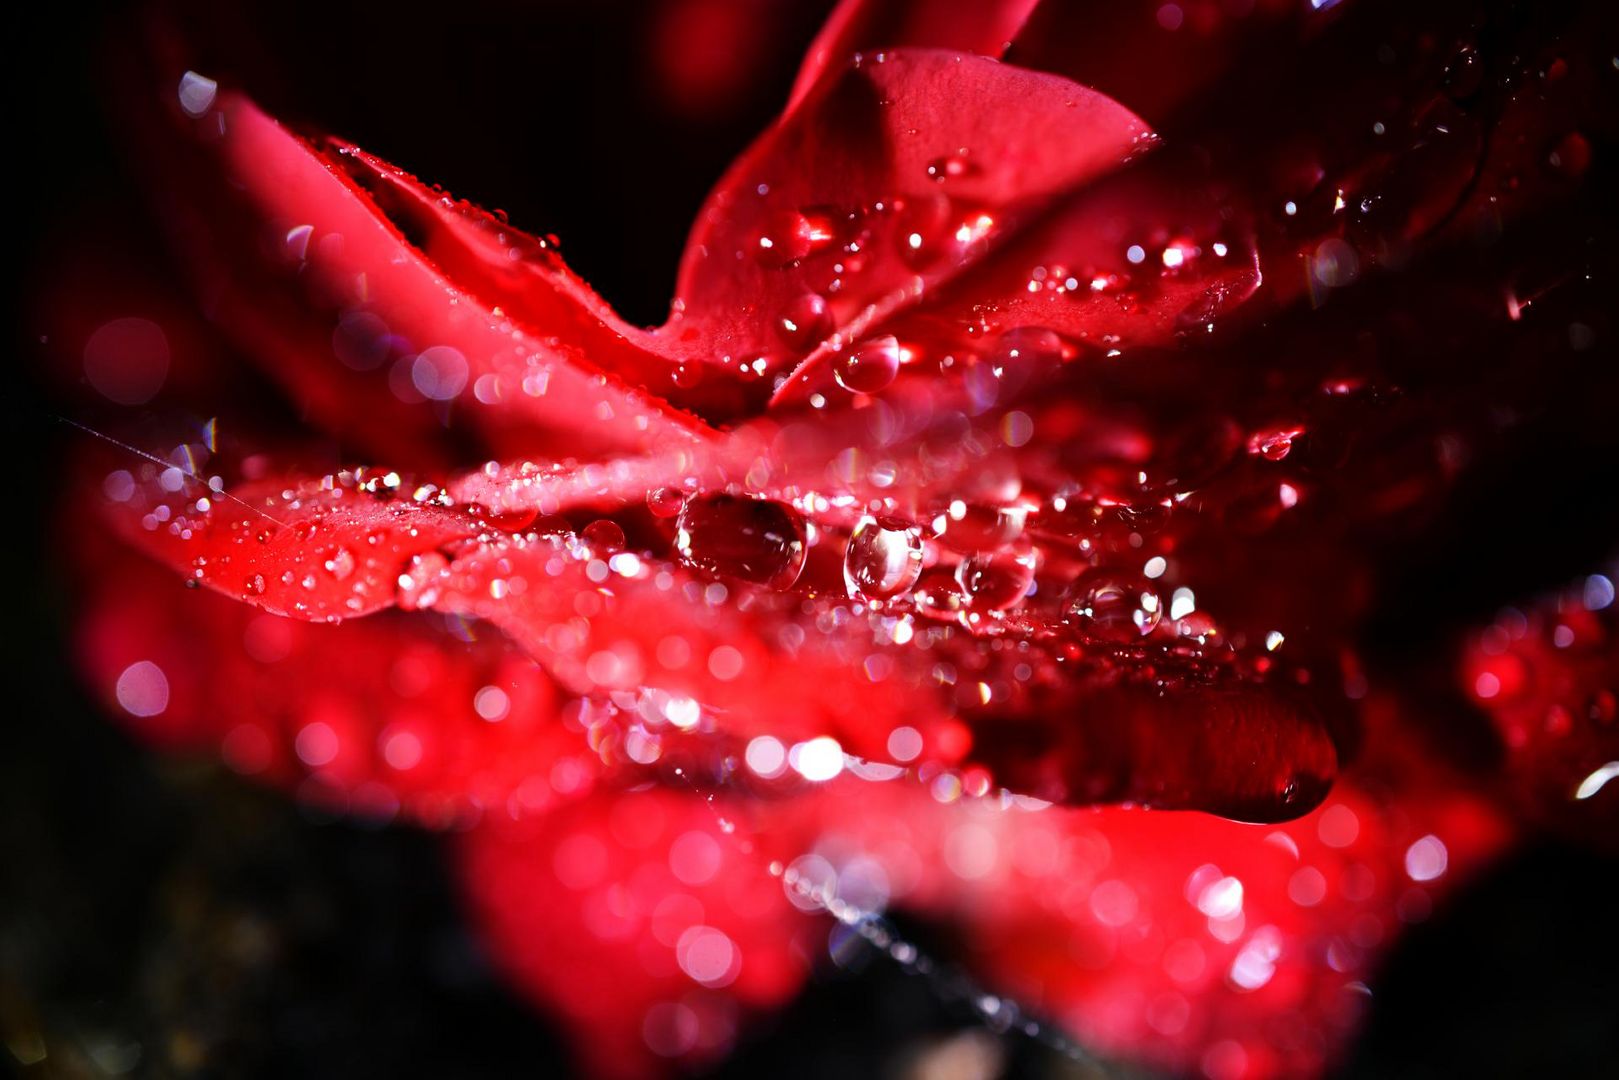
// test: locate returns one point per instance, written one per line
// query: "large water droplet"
(1115, 607)
(754, 539)
(604, 537)
(786, 236)
(665, 502)
(869, 367)
(972, 527)
(1021, 357)
(996, 580)
(805, 322)
(883, 559)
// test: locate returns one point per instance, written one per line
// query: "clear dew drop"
(786, 236)
(1021, 357)
(883, 559)
(340, 563)
(1115, 607)
(604, 537)
(805, 322)
(869, 367)
(418, 584)
(996, 580)
(974, 527)
(665, 502)
(950, 167)
(757, 540)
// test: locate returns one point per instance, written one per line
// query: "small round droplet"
(419, 584)
(665, 502)
(938, 596)
(340, 563)
(973, 527)
(1023, 356)
(869, 367)
(757, 540)
(1274, 445)
(805, 322)
(883, 559)
(604, 537)
(996, 580)
(1115, 607)
(786, 236)
(950, 167)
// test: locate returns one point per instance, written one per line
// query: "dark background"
(158, 917)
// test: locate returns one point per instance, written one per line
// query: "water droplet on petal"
(340, 563)
(997, 580)
(1022, 356)
(972, 527)
(604, 537)
(950, 166)
(883, 559)
(418, 585)
(869, 367)
(1115, 607)
(805, 322)
(787, 236)
(665, 502)
(757, 540)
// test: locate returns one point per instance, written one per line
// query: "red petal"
(826, 205)
(858, 26)
(314, 268)
(1170, 940)
(378, 715)
(323, 550)
(1547, 677)
(644, 920)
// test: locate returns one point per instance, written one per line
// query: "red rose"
(1050, 402)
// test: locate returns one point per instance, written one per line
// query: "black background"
(121, 874)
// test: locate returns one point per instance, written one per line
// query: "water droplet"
(757, 540)
(1115, 607)
(604, 537)
(786, 236)
(996, 581)
(869, 367)
(937, 595)
(340, 563)
(665, 502)
(883, 559)
(254, 586)
(805, 322)
(418, 585)
(1021, 356)
(1274, 445)
(973, 527)
(951, 166)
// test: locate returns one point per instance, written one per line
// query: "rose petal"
(645, 920)
(316, 269)
(865, 25)
(384, 715)
(833, 219)
(322, 550)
